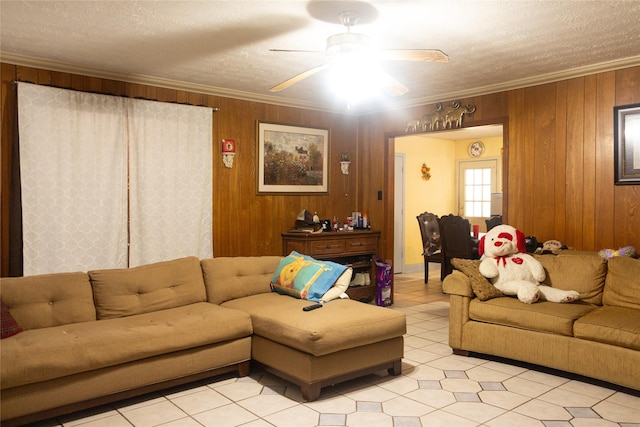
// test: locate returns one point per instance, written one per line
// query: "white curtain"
(171, 177)
(78, 152)
(73, 170)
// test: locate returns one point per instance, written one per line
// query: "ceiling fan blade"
(295, 79)
(426, 55)
(297, 51)
(391, 86)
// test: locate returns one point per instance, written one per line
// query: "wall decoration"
(476, 149)
(344, 164)
(626, 132)
(292, 159)
(442, 117)
(228, 152)
(426, 172)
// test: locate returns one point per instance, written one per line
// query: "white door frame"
(398, 213)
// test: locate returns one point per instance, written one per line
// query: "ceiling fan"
(349, 48)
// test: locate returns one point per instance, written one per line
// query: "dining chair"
(456, 240)
(431, 247)
(493, 221)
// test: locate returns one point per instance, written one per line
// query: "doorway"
(441, 195)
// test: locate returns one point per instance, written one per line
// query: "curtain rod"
(214, 109)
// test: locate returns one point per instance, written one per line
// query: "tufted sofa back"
(49, 299)
(228, 278)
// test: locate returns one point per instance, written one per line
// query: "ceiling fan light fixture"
(355, 78)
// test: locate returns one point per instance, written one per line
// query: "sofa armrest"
(457, 283)
(458, 286)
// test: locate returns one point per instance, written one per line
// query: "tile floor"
(436, 388)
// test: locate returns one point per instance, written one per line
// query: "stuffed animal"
(607, 254)
(513, 271)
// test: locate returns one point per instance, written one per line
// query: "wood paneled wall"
(244, 223)
(559, 157)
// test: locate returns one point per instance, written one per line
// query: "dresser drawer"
(327, 247)
(366, 244)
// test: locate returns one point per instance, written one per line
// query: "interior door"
(398, 214)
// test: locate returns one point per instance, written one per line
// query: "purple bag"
(384, 276)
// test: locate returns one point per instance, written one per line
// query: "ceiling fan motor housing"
(347, 42)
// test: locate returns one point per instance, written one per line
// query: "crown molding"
(542, 79)
(28, 61)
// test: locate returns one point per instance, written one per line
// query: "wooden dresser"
(354, 248)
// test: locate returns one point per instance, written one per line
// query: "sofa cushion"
(619, 326)
(482, 288)
(43, 354)
(542, 316)
(152, 287)
(582, 273)
(340, 324)
(302, 276)
(623, 283)
(8, 325)
(228, 278)
(48, 300)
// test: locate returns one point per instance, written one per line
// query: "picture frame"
(292, 159)
(626, 133)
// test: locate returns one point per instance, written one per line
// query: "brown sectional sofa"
(91, 338)
(597, 337)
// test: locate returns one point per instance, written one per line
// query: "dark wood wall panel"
(559, 154)
(560, 158)
(244, 223)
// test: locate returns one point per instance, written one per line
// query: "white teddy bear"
(506, 263)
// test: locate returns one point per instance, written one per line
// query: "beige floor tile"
(512, 419)
(404, 407)
(153, 415)
(435, 398)
(296, 416)
(421, 356)
(201, 401)
(484, 373)
(446, 419)
(503, 399)
(598, 392)
(266, 404)
(225, 416)
(618, 413)
(525, 387)
(424, 372)
(239, 390)
(371, 394)
(400, 384)
(114, 419)
(566, 398)
(624, 399)
(369, 419)
(183, 422)
(479, 412)
(333, 405)
(541, 410)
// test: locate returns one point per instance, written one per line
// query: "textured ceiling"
(222, 47)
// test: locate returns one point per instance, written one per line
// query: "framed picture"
(626, 133)
(292, 159)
